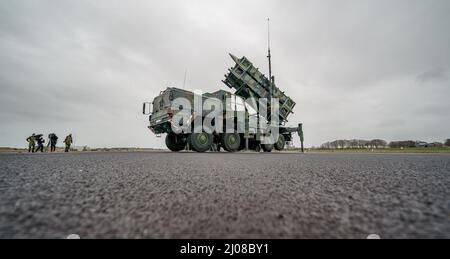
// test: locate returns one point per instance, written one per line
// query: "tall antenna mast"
(269, 56)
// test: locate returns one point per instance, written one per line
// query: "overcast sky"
(357, 69)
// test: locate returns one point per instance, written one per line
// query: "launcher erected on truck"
(257, 112)
(249, 84)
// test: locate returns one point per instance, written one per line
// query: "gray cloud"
(356, 68)
(437, 73)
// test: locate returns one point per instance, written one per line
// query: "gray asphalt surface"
(189, 195)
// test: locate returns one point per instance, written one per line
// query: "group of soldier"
(38, 139)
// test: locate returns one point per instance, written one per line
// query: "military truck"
(249, 128)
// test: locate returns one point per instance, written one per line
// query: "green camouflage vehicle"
(239, 126)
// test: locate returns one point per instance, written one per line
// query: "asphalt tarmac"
(222, 195)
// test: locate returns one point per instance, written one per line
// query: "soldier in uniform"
(300, 133)
(40, 142)
(31, 143)
(53, 139)
(68, 141)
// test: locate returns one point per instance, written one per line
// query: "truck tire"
(231, 141)
(175, 143)
(267, 147)
(200, 142)
(279, 145)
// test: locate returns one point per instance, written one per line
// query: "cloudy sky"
(357, 69)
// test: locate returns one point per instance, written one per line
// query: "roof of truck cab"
(216, 93)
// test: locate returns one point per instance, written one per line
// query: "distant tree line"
(379, 143)
(355, 144)
(404, 144)
(412, 144)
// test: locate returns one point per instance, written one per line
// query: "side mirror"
(146, 108)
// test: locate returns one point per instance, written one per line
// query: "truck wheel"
(200, 142)
(175, 143)
(280, 143)
(231, 142)
(267, 147)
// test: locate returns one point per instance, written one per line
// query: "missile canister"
(249, 82)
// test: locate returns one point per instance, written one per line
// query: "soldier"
(300, 133)
(40, 142)
(53, 139)
(68, 141)
(31, 143)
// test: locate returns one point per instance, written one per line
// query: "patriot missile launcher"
(249, 110)
(249, 82)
